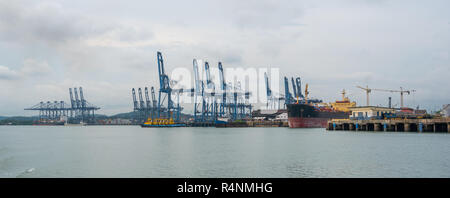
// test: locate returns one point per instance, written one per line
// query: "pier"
(393, 125)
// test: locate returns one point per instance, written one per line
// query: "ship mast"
(343, 95)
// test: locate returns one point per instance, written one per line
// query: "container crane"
(299, 86)
(294, 88)
(268, 92)
(198, 90)
(135, 103)
(273, 102)
(166, 90)
(223, 87)
(287, 94)
(211, 107)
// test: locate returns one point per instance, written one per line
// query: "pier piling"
(407, 127)
(395, 125)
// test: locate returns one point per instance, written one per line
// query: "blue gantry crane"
(165, 91)
(273, 102)
(164, 106)
(228, 102)
(144, 109)
(298, 95)
(287, 95)
(299, 87)
(209, 103)
(79, 110)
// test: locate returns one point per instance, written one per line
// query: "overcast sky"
(109, 47)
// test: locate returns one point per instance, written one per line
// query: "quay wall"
(393, 125)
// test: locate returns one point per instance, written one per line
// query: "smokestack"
(390, 99)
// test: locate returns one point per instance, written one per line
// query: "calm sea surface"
(132, 151)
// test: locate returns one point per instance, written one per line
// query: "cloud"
(35, 67)
(108, 48)
(31, 68)
(44, 22)
(50, 23)
(265, 14)
(8, 74)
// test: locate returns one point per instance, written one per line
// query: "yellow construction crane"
(401, 91)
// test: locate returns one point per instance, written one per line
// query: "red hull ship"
(309, 116)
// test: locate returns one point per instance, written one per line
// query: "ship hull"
(307, 116)
(307, 122)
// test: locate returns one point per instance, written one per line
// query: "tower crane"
(401, 91)
(367, 92)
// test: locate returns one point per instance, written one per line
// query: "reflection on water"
(131, 151)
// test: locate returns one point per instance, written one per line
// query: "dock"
(435, 125)
(259, 123)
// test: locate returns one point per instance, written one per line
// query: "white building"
(368, 112)
(282, 117)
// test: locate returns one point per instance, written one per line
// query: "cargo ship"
(304, 114)
(311, 116)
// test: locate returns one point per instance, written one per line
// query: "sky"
(109, 47)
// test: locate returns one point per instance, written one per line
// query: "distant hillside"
(18, 120)
(128, 115)
(131, 115)
(28, 120)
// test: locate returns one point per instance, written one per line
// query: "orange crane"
(306, 93)
(401, 91)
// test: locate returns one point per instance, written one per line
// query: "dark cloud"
(52, 24)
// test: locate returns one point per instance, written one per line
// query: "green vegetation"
(17, 120)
